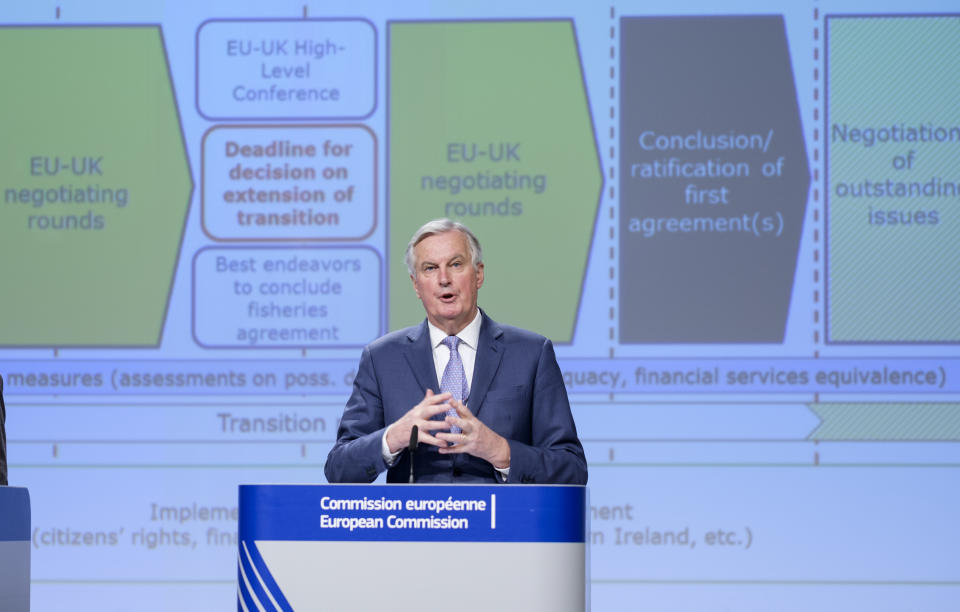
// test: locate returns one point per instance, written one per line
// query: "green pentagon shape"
(477, 102)
(95, 186)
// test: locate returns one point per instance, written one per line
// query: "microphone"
(413, 449)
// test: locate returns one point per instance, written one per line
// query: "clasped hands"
(474, 438)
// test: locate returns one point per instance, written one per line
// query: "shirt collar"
(469, 335)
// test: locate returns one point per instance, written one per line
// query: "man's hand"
(398, 434)
(475, 438)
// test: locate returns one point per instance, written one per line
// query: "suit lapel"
(489, 355)
(419, 355)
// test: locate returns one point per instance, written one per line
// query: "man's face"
(446, 281)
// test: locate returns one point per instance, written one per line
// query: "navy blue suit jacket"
(517, 391)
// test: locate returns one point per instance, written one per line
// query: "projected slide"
(737, 224)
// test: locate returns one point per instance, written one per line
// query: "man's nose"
(443, 276)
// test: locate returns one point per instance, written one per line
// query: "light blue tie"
(454, 378)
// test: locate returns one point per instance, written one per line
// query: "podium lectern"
(14, 549)
(413, 547)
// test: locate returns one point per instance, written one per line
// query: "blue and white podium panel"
(14, 549)
(412, 547)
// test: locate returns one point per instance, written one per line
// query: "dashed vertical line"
(304, 11)
(817, 319)
(58, 12)
(611, 192)
(817, 322)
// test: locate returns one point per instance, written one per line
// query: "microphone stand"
(414, 439)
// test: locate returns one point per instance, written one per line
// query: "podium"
(14, 549)
(413, 547)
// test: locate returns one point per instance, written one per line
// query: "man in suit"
(514, 424)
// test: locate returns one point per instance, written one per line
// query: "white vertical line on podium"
(259, 578)
(493, 511)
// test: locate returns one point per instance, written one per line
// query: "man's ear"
(479, 275)
(415, 290)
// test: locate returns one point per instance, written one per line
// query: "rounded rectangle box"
(289, 183)
(286, 68)
(274, 297)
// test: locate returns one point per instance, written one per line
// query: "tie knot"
(451, 342)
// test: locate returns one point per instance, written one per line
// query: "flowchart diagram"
(738, 229)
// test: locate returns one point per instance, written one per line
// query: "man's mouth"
(447, 297)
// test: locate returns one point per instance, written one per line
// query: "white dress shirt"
(469, 337)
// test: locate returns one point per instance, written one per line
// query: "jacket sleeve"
(356, 456)
(554, 454)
